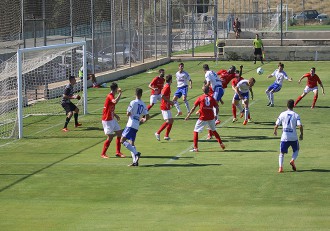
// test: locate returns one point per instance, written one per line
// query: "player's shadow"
(239, 138)
(154, 115)
(314, 170)
(165, 157)
(179, 165)
(91, 129)
(247, 151)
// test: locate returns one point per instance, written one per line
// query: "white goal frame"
(20, 53)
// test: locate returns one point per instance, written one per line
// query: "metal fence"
(123, 32)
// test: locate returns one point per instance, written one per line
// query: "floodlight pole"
(281, 25)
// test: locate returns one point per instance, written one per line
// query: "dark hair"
(114, 86)
(313, 68)
(138, 92)
(168, 78)
(161, 70)
(72, 77)
(206, 67)
(181, 64)
(281, 64)
(206, 89)
(232, 69)
(290, 104)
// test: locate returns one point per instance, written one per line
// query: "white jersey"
(280, 76)
(137, 108)
(289, 121)
(182, 78)
(243, 86)
(212, 77)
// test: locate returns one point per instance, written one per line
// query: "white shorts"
(308, 89)
(155, 98)
(167, 114)
(110, 126)
(200, 124)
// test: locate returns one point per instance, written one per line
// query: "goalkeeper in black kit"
(70, 108)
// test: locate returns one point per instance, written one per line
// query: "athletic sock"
(271, 97)
(105, 146)
(130, 147)
(280, 160)
(168, 130)
(239, 106)
(177, 106)
(196, 140)
(295, 155)
(268, 95)
(233, 109)
(217, 136)
(314, 100)
(75, 115)
(186, 103)
(67, 120)
(210, 133)
(164, 125)
(297, 100)
(246, 113)
(118, 144)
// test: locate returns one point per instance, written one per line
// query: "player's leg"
(130, 134)
(163, 126)
(153, 100)
(283, 150)
(75, 115)
(170, 122)
(236, 103)
(199, 126)
(305, 92)
(315, 91)
(186, 103)
(106, 145)
(69, 114)
(246, 111)
(295, 149)
(176, 96)
(268, 94)
(217, 95)
(211, 124)
(118, 133)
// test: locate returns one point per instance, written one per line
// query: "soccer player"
(165, 107)
(212, 80)
(206, 104)
(226, 76)
(110, 121)
(258, 48)
(289, 121)
(312, 81)
(280, 75)
(69, 107)
(135, 111)
(182, 78)
(90, 75)
(156, 87)
(242, 93)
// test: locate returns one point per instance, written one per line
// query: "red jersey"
(165, 106)
(312, 80)
(206, 104)
(158, 83)
(109, 108)
(235, 81)
(225, 77)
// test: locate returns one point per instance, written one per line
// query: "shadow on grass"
(179, 165)
(314, 170)
(165, 157)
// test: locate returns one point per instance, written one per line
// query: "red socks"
(168, 130)
(105, 146)
(196, 140)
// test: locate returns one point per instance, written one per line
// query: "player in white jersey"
(289, 121)
(214, 81)
(280, 75)
(242, 93)
(182, 79)
(135, 111)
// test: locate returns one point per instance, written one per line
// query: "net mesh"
(44, 76)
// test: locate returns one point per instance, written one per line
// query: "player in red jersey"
(206, 104)
(312, 81)
(227, 76)
(110, 125)
(165, 107)
(156, 87)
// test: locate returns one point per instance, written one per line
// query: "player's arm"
(191, 111)
(275, 129)
(190, 83)
(151, 86)
(116, 100)
(144, 118)
(301, 136)
(117, 116)
(167, 100)
(251, 91)
(321, 85)
(238, 93)
(240, 70)
(301, 78)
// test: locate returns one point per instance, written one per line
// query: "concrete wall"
(278, 53)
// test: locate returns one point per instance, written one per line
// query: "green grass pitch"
(52, 180)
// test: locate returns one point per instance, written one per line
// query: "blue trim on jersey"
(275, 87)
(218, 93)
(181, 91)
(130, 133)
(284, 146)
(245, 96)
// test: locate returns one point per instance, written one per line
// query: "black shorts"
(69, 107)
(257, 51)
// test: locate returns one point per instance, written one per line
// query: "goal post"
(32, 84)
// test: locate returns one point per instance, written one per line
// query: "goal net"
(32, 83)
